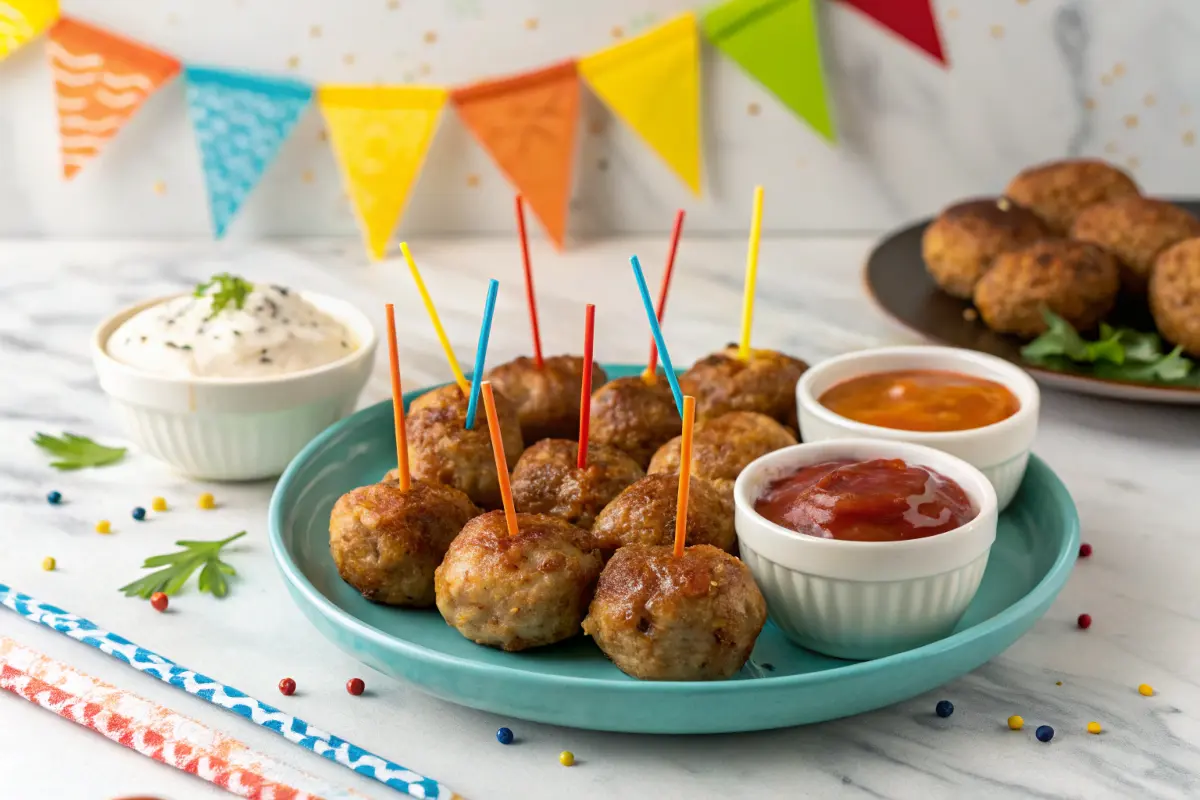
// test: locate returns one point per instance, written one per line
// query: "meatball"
(547, 399)
(1059, 190)
(634, 416)
(692, 618)
(1135, 230)
(722, 447)
(645, 514)
(1076, 280)
(765, 382)
(442, 450)
(961, 243)
(387, 542)
(1175, 295)
(547, 480)
(517, 592)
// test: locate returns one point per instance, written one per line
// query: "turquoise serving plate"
(573, 684)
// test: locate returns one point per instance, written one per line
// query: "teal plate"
(573, 683)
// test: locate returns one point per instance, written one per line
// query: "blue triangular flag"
(240, 122)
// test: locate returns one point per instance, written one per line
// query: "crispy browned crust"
(633, 416)
(1175, 295)
(723, 446)
(645, 513)
(960, 245)
(1057, 191)
(1135, 230)
(547, 480)
(546, 399)
(765, 382)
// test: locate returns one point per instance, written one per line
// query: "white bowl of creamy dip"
(231, 381)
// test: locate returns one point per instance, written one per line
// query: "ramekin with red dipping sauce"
(865, 548)
(969, 404)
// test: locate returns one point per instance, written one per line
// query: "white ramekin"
(1000, 451)
(862, 600)
(234, 428)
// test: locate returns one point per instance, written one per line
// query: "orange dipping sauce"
(921, 400)
(883, 500)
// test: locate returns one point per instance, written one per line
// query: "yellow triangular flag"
(380, 135)
(653, 83)
(22, 21)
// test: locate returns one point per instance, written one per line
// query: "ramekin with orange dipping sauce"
(977, 407)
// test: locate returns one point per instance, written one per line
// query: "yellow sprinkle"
(103, 526)
(48, 563)
(206, 501)
(159, 504)
(1093, 727)
(566, 758)
(160, 187)
(1146, 690)
(1016, 722)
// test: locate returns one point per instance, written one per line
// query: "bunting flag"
(775, 41)
(101, 79)
(652, 82)
(527, 123)
(22, 21)
(379, 135)
(911, 20)
(240, 122)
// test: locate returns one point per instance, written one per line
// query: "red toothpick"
(685, 474)
(397, 402)
(585, 396)
(533, 317)
(652, 370)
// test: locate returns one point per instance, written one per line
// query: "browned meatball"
(1059, 190)
(442, 450)
(547, 399)
(645, 514)
(634, 416)
(386, 542)
(661, 618)
(1175, 295)
(766, 383)
(547, 480)
(517, 592)
(961, 243)
(1076, 280)
(1135, 230)
(722, 447)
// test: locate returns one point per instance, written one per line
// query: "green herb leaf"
(1167, 369)
(1144, 348)
(204, 556)
(77, 452)
(228, 289)
(1119, 354)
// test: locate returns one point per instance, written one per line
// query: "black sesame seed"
(286, 321)
(143, 339)
(172, 345)
(345, 345)
(186, 347)
(262, 329)
(237, 333)
(170, 322)
(264, 360)
(264, 351)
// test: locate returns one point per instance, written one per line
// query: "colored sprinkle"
(1146, 690)
(1094, 727)
(1016, 722)
(139, 513)
(103, 526)
(159, 601)
(504, 736)
(48, 563)
(944, 708)
(159, 504)
(206, 501)
(1084, 621)
(1044, 733)
(287, 686)
(355, 686)
(54, 498)
(566, 758)
(1058, 683)
(1085, 550)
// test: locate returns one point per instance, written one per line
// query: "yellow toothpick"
(751, 274)
(459, 378)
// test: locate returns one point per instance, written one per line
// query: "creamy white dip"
(274, 332)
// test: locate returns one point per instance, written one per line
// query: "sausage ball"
(645, 514)
(1059, 190)
(442, 450)
(517, 592)
(548, 480)
(722, 447)
(387, 542)
(547, 399)
(1175, 295)
(1076, 280)
(1135, 230)
(765, 382)
(661, 618)
(632, 415)
(961, 243)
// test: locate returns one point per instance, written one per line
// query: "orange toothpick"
(510, 511)
(529, 296)
(651, 373)
(397, 402)
(585, 396)
(685, 473)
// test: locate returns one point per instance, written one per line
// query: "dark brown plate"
(896, 279)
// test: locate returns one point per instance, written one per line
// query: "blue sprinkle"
(1044, 733)
(54, 498)
(944, 708)
(139, 513)
(504, 736)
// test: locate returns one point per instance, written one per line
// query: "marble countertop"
(1132, 470)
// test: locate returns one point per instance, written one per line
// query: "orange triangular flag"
(101, 79)
(527, 123)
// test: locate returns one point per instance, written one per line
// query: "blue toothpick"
(485, 331)
(657, 332)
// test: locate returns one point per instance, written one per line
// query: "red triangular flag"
(912, 20)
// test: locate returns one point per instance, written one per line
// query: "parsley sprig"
(1118, 353)
(179, 566)
(228, 289)
(77, 452)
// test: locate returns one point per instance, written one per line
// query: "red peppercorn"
(159, 601)
(1084, 621)
(355, 686)
(287, 686)
(1085, 550)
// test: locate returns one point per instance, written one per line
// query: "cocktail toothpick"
(656, 330)
(751, 274)
(397, 402)
(651, 373)
(685, 474)
(485, 332)
(585, 395)
(455, 370)
(510, 510)
(529, 295)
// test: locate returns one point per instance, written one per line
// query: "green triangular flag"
(776, 42)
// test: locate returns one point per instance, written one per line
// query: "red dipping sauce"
(883, 500)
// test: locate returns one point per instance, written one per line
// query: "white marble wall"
(1029, 80)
